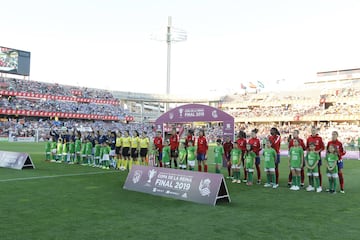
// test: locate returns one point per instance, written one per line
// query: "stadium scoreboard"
(14, 61)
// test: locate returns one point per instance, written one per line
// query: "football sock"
(205, 168)
(245, 174)
(268, 177)
(217, 170)
(290, 177)
(330, 183)
(160, 163)
(258, 172)
(320, 178)
(316, 182)
(277, 175)
(311, 181)
(334, 183)
(130, 164)
(199, 168)
(302, 174)
(175, 164)
(250, 177)
(229, 170)
(273, 178)
(341, 180)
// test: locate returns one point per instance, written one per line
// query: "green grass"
(96, 207)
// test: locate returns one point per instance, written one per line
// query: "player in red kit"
(341, 152)
(201, 150)
(174, 146)
(228, 146)
(301, 144)
(319, 147)
(275, 140)
(241, 142)
(158, 146)
(256, 147)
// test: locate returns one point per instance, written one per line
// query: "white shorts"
(315, 174)
(112, 153)
(250, 170)
(167, 164)
(106, 157)
(53, 151)
(296, 169)
(333, 175)
(234, 166)
(191, 163)
(269, 169)
(182, 166)
(48, 152)
(83, 155)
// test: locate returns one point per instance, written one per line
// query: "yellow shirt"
(125, 141)
(144, 142)
(135, 142)
(118, 142)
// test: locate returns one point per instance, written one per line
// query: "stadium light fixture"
(173, 34)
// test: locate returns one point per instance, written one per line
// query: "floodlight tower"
(172, 35)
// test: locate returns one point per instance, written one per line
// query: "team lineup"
(120, 151)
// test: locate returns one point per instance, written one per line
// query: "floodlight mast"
(172, 35)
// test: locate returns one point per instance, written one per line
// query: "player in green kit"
(249, 158)
(235, 158)
(65, 151)
(105, 155)
(88, 152)
(77, 150)
(191, 155)
(59, 148)
(331, 167)
(97, 154)
(72, 151)
(269, 163)
(311, 163)
(218, 155)
(48, 150)
(182, 156)
(166, 154)
(296, 161)
(53, 151)
(83, 152)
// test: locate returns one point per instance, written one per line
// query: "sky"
(107, 43)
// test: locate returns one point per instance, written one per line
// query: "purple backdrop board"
(200, 187)
(15, 160)
(198, 113)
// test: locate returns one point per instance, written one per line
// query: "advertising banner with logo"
(200, 187)
(15, 160)
(197, 113)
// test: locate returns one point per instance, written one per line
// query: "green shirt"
(191, 153)
(235, 156)
(78, 145)
(296, 154)
(97, 151)
(48, 147)
(269, 157)
(166, 154)
(182, 155)
(250, 159)
(218, 153)
(332, 161)
(59, 148)
(65, 148)
(312, 158)
(105, 150)
(88, 148)
(71, 147)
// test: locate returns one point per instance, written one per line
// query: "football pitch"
(59, 201)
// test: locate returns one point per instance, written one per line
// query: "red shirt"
(202, 145)
(174, 142)
(339, 147)
(241, 142)
(228, 146)
(301, 143)
(275, 142)
(188, 139)
(317, 140)
(158, 143)
(256, 146)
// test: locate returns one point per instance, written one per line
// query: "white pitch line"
(55, 176)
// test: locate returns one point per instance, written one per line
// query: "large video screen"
(14, 61)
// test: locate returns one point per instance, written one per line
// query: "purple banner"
(197, 113)
(200, 187)
(15, 160)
